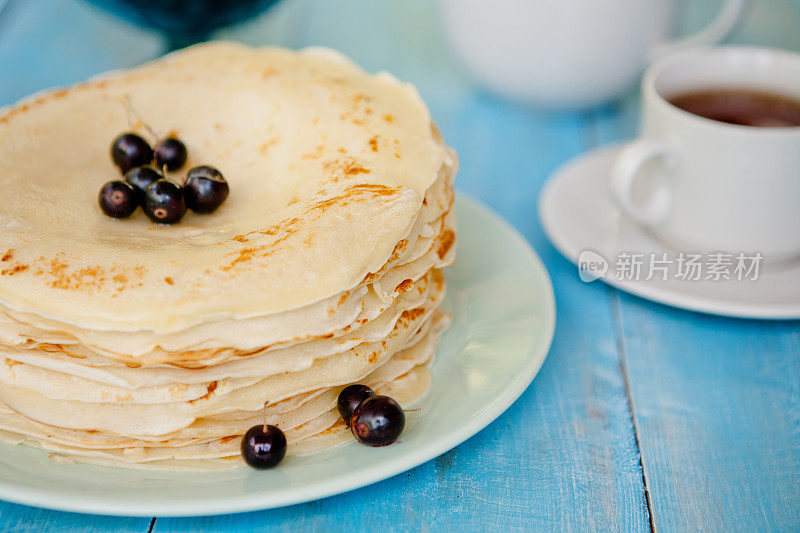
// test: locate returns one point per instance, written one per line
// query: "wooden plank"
(716, 404)
(24, 519)
(716, 400)
(564, 456)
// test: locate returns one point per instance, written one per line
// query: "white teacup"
(568, 53)
(705, 185)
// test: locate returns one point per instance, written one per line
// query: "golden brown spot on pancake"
(11, 362)
(344, 168)
(447, 240)
(265, 146)
(211, 388)
(119, 398)
(388, 118)
(405, 376)
(315, 121)
(287, 227)
(338, 426)
(169, 281)
(92, 276)
(438, 279)
(373, 143)
(301, 426)
(268, 72)
(410, 315)
(372, 276)
(373, 357)
(245, 254)
(404, 285)
(16, 269)
(343, 298)
(399, 248)
(9, 255)
(229, 438)
(12, 112)
(373, 188)
(57, 266)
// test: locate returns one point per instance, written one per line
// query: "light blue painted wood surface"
(715, 402)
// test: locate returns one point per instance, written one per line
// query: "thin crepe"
(309, 141)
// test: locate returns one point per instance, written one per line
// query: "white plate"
(578, 213)
(504, 315)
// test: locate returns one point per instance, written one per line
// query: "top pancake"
(328, 167)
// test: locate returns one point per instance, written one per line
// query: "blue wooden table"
(643, 417)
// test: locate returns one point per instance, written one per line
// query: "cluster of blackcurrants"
(375, 420)
(203, 189)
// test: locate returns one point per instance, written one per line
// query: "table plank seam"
(623, 363)
(592, 140)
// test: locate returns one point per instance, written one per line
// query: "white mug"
(568, 53)
(705, 185)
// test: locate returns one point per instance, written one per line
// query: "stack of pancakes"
(128, 343)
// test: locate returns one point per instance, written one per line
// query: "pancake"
(132, 344)
(309, 145)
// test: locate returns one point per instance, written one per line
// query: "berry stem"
(133, 114)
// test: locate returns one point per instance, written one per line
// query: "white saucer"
(578, 213)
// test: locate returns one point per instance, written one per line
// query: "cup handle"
(625, 172)
(716, 31)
